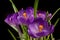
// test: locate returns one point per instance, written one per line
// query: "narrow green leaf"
(55, 13)
(47, 13)
(12, 34)
(52, 36)
(24, 29)
(14, 7)
(56, 22)
(48, 37)
(35, 7)
(14, 28)
(37, 39)
(44, 37)
(28, 37)
(20, 34)
(41, 38)
(53, 39)
(34, 38)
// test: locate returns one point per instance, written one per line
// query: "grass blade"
(52, 36)
(48, 37)
(56, 22)
(35, 7)
(55, 13)
(14, 7)
(12, 34)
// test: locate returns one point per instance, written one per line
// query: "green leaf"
(12, 34)
(48, 37)
(52, 36)
(41, 38)
(44, 37)
(35, 7)
(56, 22)
(55, 13)
(14, 27)
(24, 30)
(34, 38)
(47, 13)
(14, 7)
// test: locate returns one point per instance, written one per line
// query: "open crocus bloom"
(26, 16)
(39, 28)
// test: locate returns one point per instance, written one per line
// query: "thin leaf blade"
(56, 22)
(14, 7)
(55, 13)
(35, 7)
(12, 34)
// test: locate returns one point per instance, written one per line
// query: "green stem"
(53, 39)
(55, 13)
(12, 35)
(52, 36)
(30, 38)
(48, 37)
(45, 38)
(56, 22)
(14, 7)
(24, 29)
(20, 35)
(35, 7)
(17, 30)
(41, 38)
(14, 27)
(34, 38)
(48, 19)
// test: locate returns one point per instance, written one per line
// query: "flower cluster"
(37, 27)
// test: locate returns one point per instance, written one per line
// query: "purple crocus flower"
(40, 28)
(26, 16)
(42, 14)
(12, 19)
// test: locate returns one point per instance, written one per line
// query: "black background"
(6, 8)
